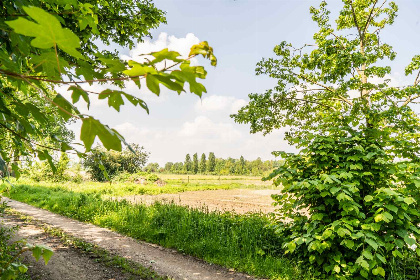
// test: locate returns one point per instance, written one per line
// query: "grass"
(243, 242)
(175, 184)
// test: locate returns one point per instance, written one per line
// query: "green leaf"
(368, 198)
(139, 69)
(409, 200)
(65, 108)
(50, 64)
(372, 243)
(165, 54)
(410, 241)
(349, 243)
(114, 98)
(47, 31)
(343, 232)
(381, 258)
(362, 262)
(153, 84)
(92, 128)
(381, 271)
(36, 113)
(37, 252)
(77, 92)
(367, 255)
(47, 253)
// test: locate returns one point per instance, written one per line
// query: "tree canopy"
(50, 44)
(348, 206)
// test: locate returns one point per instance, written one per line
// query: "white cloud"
(217, 103)
(205, 129)
(181, 45)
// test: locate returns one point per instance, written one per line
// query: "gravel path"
(161, 260)
(67, 263)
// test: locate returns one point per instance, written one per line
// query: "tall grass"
(242, 242)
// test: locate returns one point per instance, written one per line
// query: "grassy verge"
(242, 242)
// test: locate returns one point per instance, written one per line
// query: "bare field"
(235, 200)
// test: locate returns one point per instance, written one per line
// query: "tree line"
(216, 166)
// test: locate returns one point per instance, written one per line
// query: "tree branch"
(409, 99)
(323, 86)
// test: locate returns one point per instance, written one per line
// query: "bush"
(42, 170)
(104, 165)
(345, 208)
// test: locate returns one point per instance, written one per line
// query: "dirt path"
(67, 263)
(163, 261)
(237, 200)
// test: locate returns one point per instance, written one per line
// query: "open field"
(245, 243)
(235, 200)
(171, 184)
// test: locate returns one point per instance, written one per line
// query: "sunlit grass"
(243, 242)
(176, 185)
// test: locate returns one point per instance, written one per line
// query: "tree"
(45, 44)
(187, 163)
(348, 202)
(203, 163)
(242, 165)
(152, 167)
(104, 165)
(211, 165)
(195, 164)
(169, 166)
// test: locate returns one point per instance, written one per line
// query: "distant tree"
(152, 167)
(195, 164)
(168, 166)
(203, 164)
(99, 160)
(242, 165)
(187, 163)
(177, 168)
(211, 163)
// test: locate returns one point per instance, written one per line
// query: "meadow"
(246, 243)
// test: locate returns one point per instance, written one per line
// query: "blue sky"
(241, 33)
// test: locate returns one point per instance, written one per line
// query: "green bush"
(346, 208)
(104, 165)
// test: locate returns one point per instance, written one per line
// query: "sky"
(241, 32)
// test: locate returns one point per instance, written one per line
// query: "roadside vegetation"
(246, 243)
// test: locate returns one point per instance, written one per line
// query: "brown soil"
(164, 261)
(237, 200)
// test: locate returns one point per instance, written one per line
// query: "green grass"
(175, 185)
(242, 242)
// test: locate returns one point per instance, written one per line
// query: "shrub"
(101, 163)
(345, 207)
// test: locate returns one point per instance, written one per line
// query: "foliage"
(203, 164)
(187, 163)
(350, 218)
(195, 164)
(41, 170)
(10, 252)
(356, 176)
(54, 44)
(101, 163)
(229, 166)
(152, 167)
(211, 164)
(242, 242)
